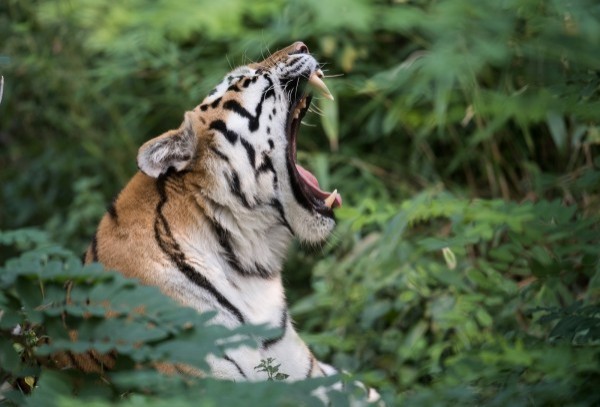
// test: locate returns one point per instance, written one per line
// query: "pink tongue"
(311, 181)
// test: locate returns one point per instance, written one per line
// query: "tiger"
(216, 203)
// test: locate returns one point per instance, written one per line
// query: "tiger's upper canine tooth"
(316, 81)
(331, 199)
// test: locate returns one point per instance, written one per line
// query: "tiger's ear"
(174, 149)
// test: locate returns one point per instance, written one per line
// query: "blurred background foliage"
(464, 140)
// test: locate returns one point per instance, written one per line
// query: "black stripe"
(266, 165)
(267, 343)
(270, 90)
(74, 362)
(295, 63)
(219, 153)
(223, 237)
(277, 205)
(261, 271)
(235, 187)
(253, 119)
(94, 247)
(98, 362)
(215, 103)
(239, 369)
(249, 151)
(296, 72)
(171, 248)
(311, 366)
(219, 125)
(321, 370)
(295, 68)
(112, 210)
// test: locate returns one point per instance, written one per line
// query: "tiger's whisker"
(315, 112)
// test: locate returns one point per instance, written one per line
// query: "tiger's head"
(240, 144)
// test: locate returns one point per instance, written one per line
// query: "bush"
(46, 295)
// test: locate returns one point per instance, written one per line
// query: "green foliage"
(271, 370)
(47, 293)
(444, 293)
(464, 137)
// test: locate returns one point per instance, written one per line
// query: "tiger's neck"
(252, 241)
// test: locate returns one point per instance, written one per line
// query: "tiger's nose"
(298, 48)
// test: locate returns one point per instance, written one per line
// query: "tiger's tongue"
(312, 182)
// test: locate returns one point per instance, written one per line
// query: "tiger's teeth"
(331, 199)
(301, 105)
(316, 82)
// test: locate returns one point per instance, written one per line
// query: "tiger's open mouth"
(305, 185)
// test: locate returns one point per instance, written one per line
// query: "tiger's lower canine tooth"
(318, 84)
(331, 199)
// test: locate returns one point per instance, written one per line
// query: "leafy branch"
(272, 371)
